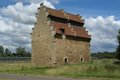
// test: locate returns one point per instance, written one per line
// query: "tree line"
(115, 54)
(101, 55)
(19, 52)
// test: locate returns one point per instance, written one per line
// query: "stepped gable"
(64, 15)
(70, 31)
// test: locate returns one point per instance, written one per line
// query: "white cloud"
(37, 1)
(14, 34)
(55, 1)
(46, 2)
(16, 22)
(104, 32)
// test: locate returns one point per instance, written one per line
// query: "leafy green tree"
(105, 54)
(7, 52)
(1, 49)
(118, 48)
(20, 51)
(27, 54)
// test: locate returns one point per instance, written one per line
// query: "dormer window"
(62, 30)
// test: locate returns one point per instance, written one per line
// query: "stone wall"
(47, 49)
(72, 50)
(41, 40)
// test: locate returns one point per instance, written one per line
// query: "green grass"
(6, 79)
(97, 68)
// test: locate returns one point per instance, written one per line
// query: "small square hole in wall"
(62, 30)
(50, 58)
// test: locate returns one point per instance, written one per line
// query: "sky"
(102, 20)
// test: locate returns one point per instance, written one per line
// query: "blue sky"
(91, 7)
(102, 20)
(84, 7)
(4, 3)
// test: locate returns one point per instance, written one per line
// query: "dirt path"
(21, 77)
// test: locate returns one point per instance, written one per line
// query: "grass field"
(97, 69)
(5, 79)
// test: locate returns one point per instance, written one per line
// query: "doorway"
(66, 60)
(81, 59)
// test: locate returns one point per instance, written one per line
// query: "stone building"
(59, 37)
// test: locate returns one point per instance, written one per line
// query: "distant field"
(97, 68)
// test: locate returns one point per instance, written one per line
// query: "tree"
(7, 52)
(1, 49)
(107, 55)
(28, 54)
(20, 51)
(118, 48)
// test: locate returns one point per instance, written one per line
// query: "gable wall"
(42, 40)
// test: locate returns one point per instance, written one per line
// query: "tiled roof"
(81, 32)
(71, 31)
(59, 26)
(75, 18)
(64, 15)
(56, 13)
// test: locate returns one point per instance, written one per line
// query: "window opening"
(65, 60)
(81, 59)
(62, 30)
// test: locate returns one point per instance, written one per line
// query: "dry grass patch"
(97, 68)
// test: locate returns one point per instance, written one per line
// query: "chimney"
(41, 4)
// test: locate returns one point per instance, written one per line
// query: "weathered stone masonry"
(59, 38)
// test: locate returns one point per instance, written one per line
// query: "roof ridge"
(65, 15)
(72, 14)
(64, 11)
